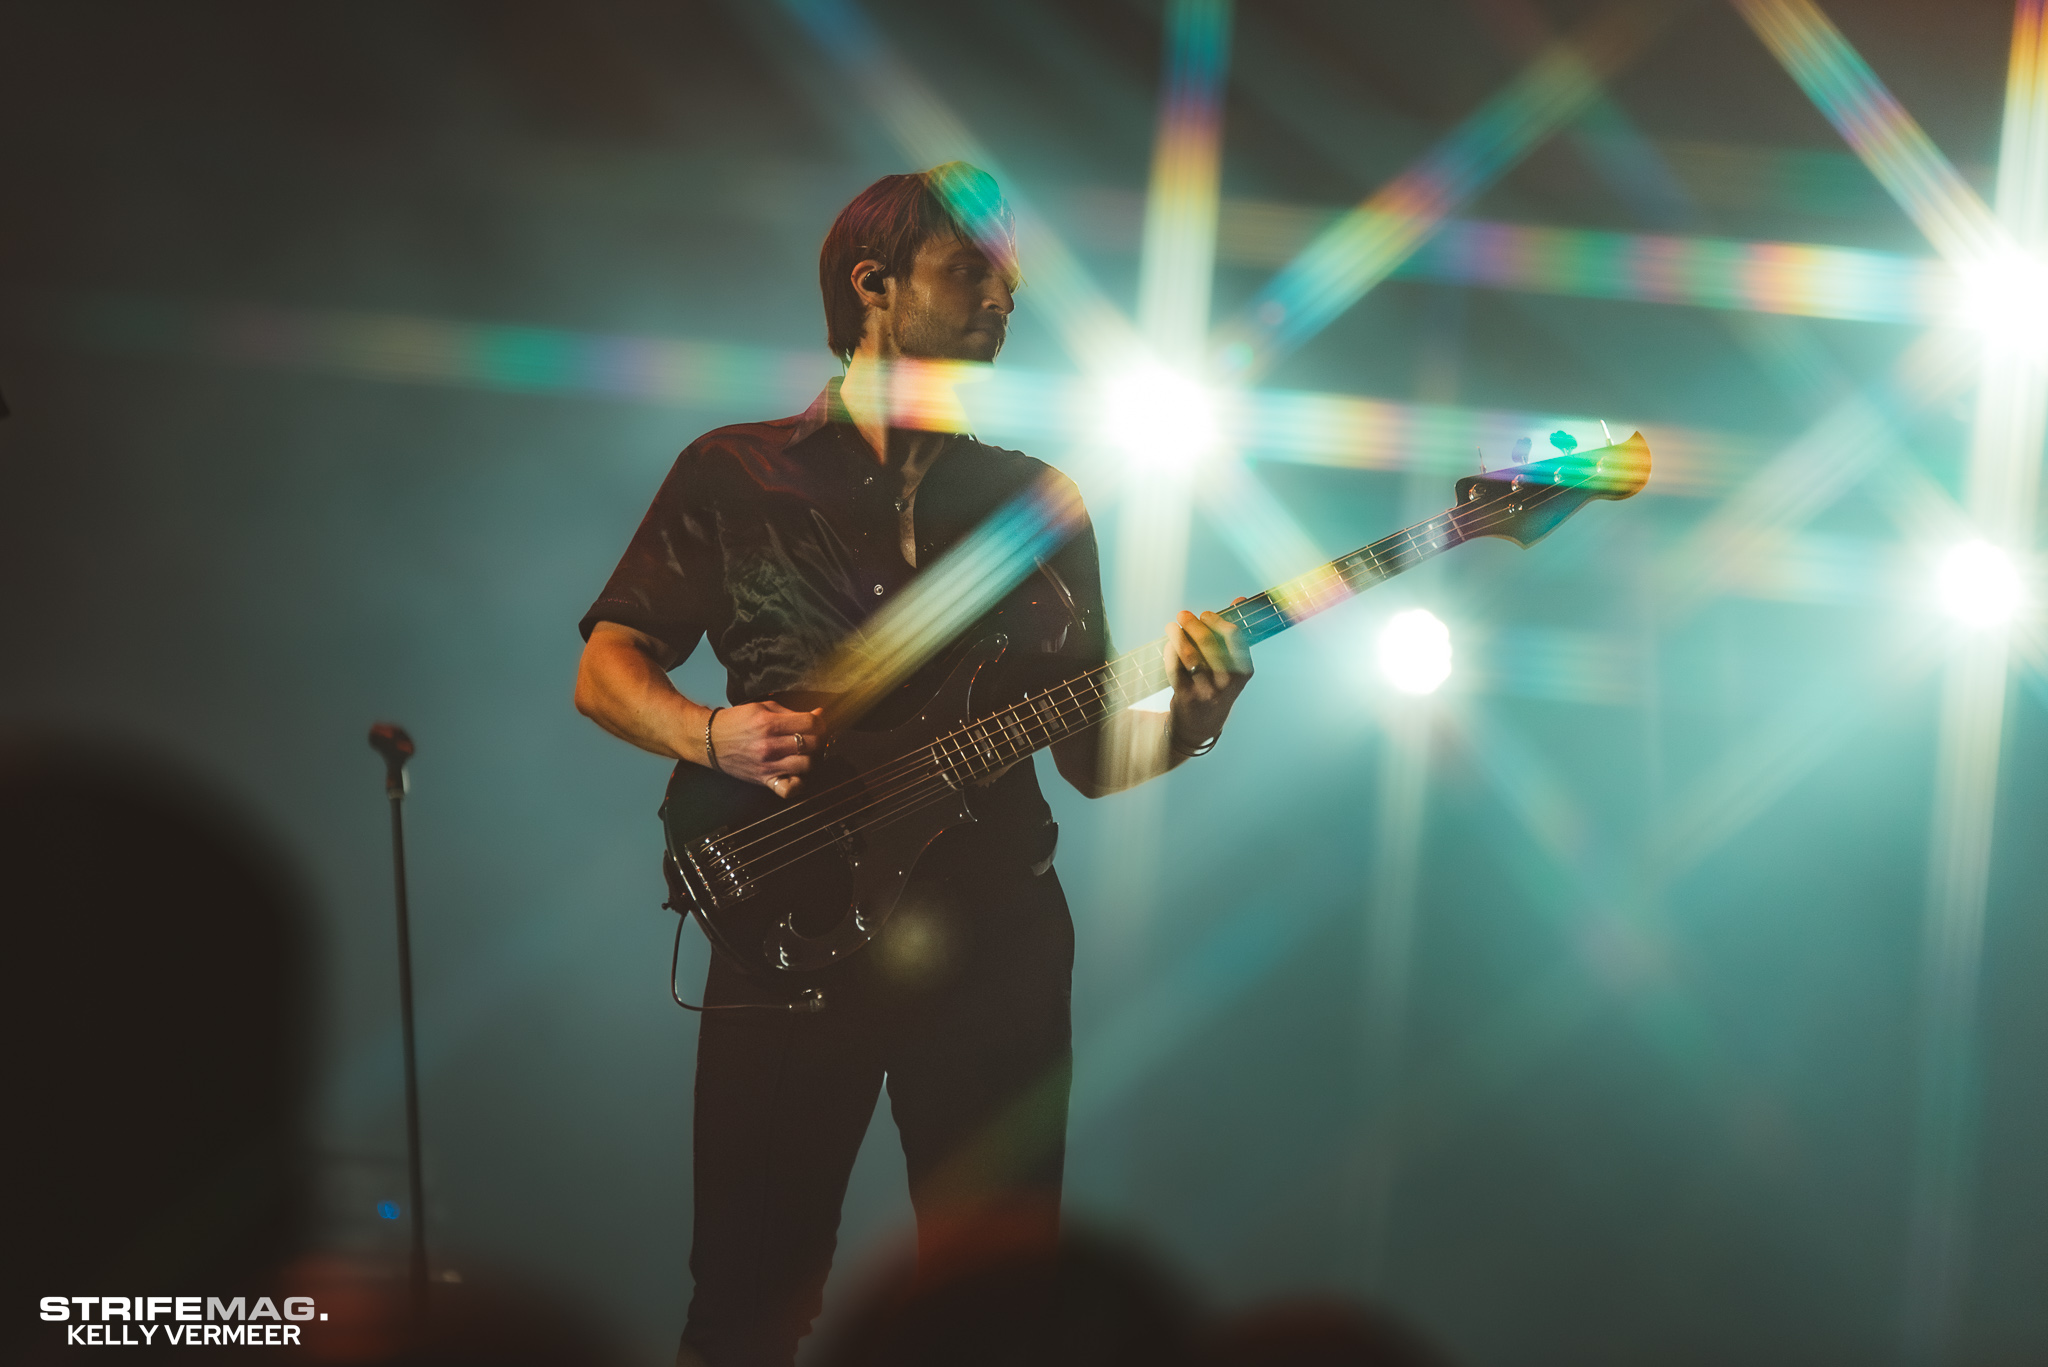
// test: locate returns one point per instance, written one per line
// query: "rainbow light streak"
(1545, 807)
(1631, 166)
(1760, 277)
(2003, 481)
(1824, 463)
(1148, 557)
(2023, 137)
(941, 603)
(1095, 334)
(1359, 250)
(1398, 841)
(1379, 434)
(919, 394)
(1235, 953)
(1607, 140)
(2000, 490)
(1902, 157)
(1822, 570)
(489, 356)
(1775, 754)
(1178, 258)
(1306, 595)
(1958, 876)
(1013, 404)
(1256, 524)
(1922, 511)
(977, 204)
(1268, 233)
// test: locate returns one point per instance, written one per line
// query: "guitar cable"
(810, 1001)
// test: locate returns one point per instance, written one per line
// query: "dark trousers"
(962, 1005)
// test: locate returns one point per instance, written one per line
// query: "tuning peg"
(1521, 454)
(1605, 433)
(1482, 459)
(1564, 441)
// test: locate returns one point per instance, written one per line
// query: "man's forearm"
(621, 688)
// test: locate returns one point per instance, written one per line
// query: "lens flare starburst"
(2004, 296)
(1159, 418)
(1415, 651)
(1978, 584)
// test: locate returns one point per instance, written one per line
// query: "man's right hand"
(622, 684)
(766, 743)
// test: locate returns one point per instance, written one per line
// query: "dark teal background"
(1646, 1112)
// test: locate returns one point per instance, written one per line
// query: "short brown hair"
(894, 217)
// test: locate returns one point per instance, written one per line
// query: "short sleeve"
(668, 584)
(1078, 570)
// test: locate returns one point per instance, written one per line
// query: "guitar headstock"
(1525, 503)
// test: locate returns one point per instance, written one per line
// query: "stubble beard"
(921, 336)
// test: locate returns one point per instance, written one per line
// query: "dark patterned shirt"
(777, 539)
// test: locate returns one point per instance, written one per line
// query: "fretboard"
(988, 744)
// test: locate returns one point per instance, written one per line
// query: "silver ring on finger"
(799, 739)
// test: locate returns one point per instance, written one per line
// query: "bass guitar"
(794, 887)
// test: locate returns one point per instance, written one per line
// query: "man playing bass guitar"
(778, 540)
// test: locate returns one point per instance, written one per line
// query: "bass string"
(923, 788)
(984, 754)
(908, 796)
(936, 753)
(914, 794)
(935, 756)
(920, 787)
(904, 800)
(1352, 568)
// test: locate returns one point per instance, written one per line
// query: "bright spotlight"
(2005, 297)
(1978, 583)
(1160, 417)
(1415, 651)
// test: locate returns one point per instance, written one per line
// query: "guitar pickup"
(720, 872)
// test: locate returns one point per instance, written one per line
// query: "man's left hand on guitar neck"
(1210, 664)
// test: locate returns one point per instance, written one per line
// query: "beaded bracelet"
(710, 750)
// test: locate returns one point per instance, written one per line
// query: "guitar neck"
(993, 742)
(1299, 599)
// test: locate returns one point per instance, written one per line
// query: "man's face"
(955, 305)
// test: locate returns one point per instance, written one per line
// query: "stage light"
(1158, 416)
(1415, 651)
(2005, 297)
(1979, 584)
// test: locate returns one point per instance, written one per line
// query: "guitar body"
(844, 877)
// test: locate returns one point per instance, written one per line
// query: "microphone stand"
(396, 747)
